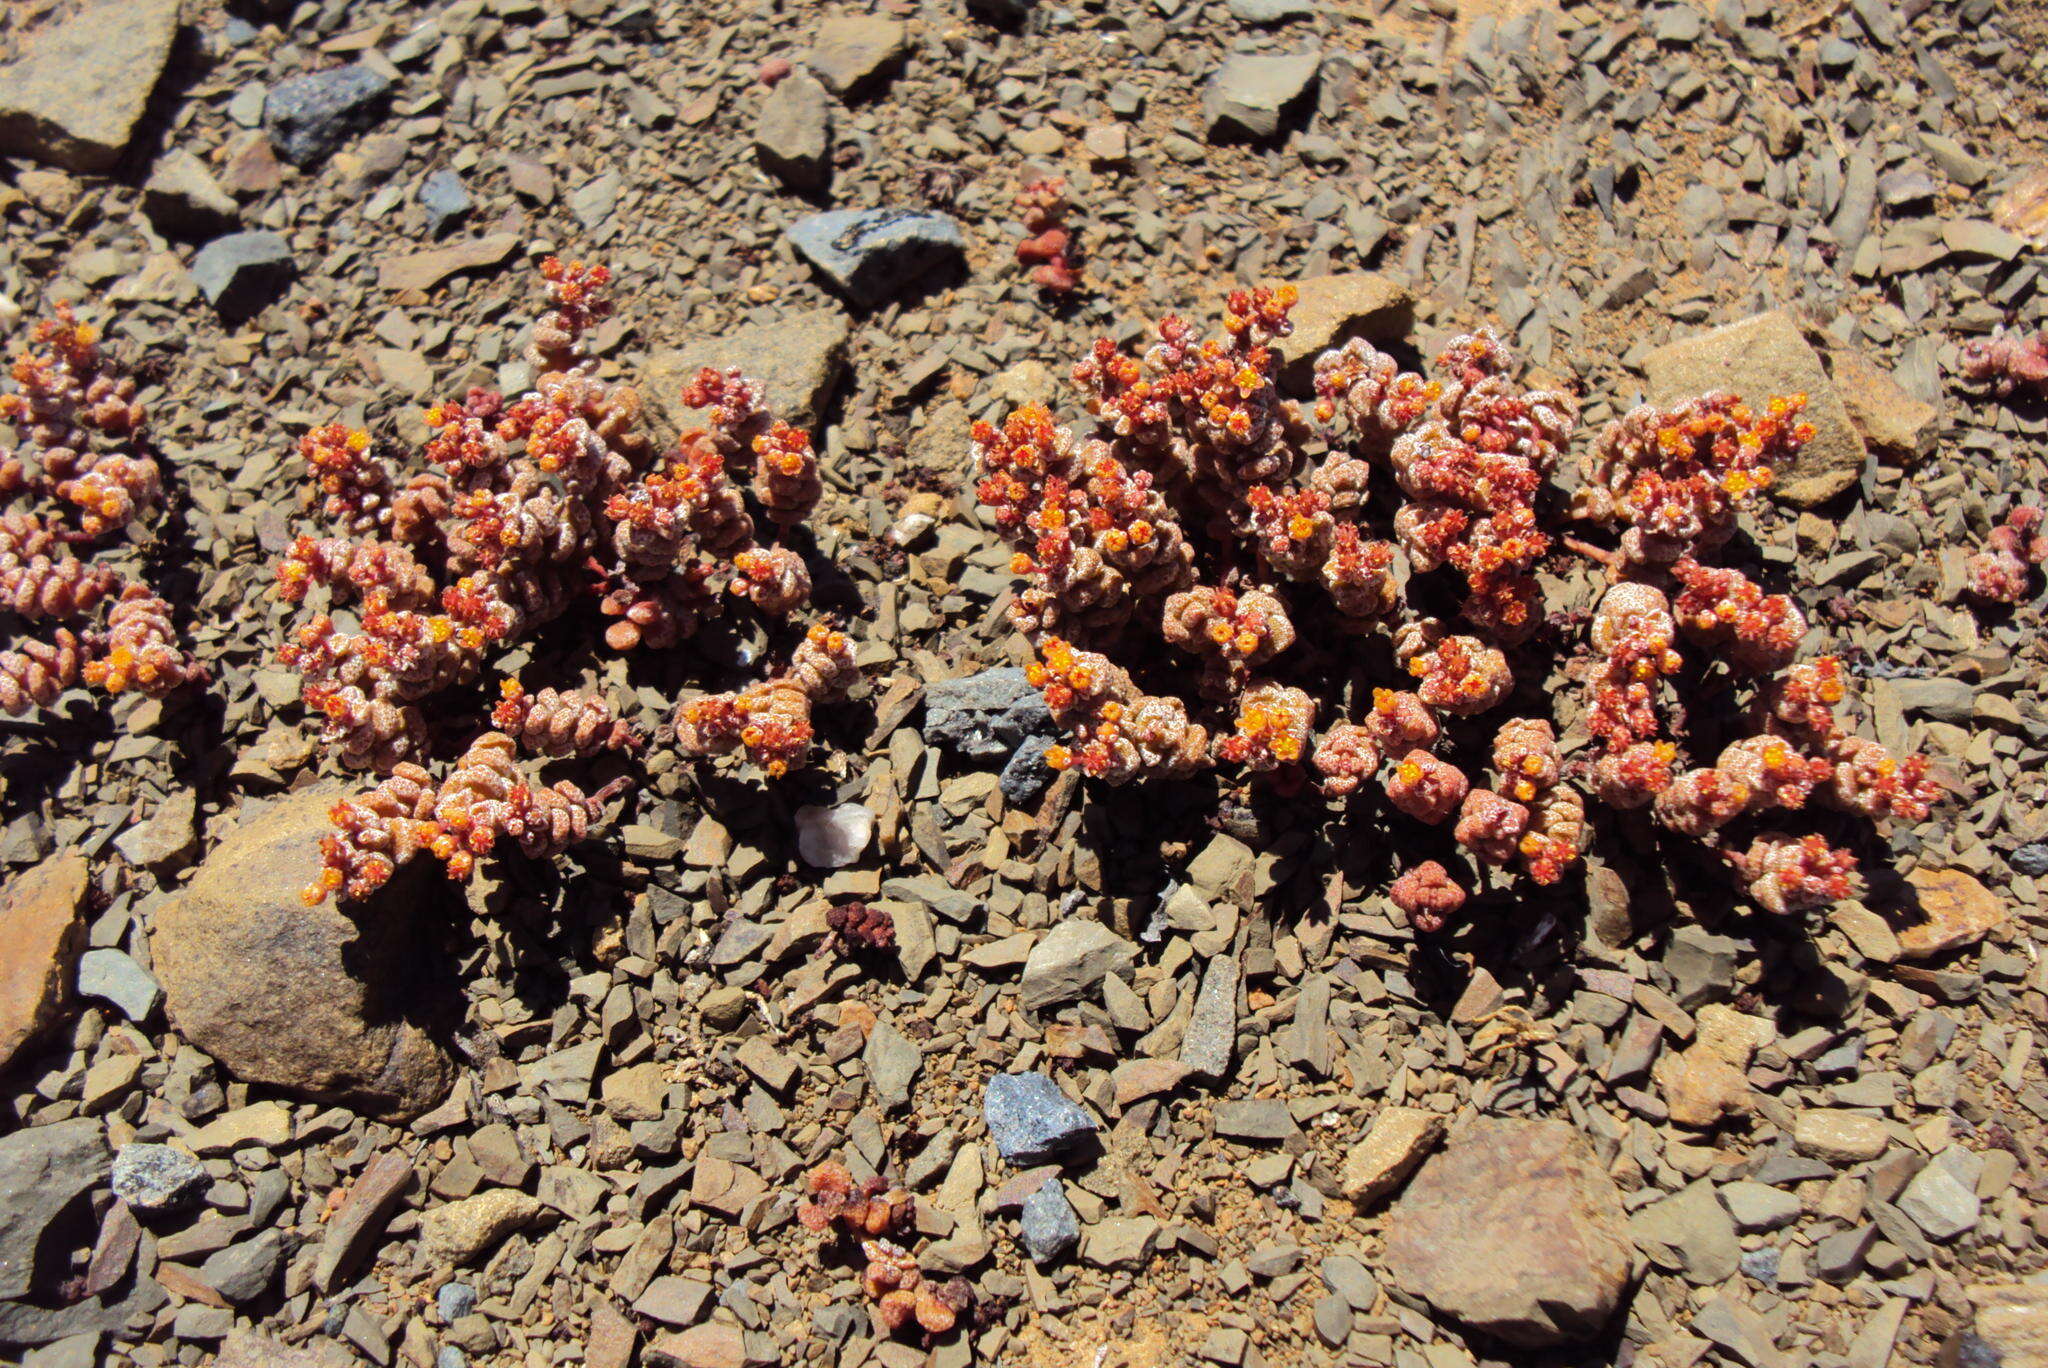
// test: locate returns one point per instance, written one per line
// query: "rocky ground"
(1172, 1081)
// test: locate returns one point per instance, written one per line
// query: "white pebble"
(831, 837)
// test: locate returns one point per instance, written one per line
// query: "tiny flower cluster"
(1192, 504)
(527, 509)
(87, 472)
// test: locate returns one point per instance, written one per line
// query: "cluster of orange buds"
(1122, 396)
(1291, 530)
(1632, 642)
(773, 579)
(1359, 577)
(1426, 788)
(581, 295)
(39, 581)
(1118, 734)
(561, 721)
(1525, 757)
(465, 439)
(1799, 701)
(2003, 571)
(904, 1296)
(1786, 874)
(834, 1199)
(1233, 632)
(355, 483)
(1671, 479)
(69, 389)
(786, 474)
(1273, 723)
(659, 520)
(139, 649)
(1460, 675)
(736, 410)
(359, 568)
(1867, 778)
(1428, 896)
(1399, 722)
(1723, 609)
(1368, 389)
(771, 721)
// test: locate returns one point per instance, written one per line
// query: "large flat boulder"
(1759, 358)
(799, 359)
(331, 1002)
(1515, 1229)
(83, 77)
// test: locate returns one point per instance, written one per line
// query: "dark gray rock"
(1026, 777)
(1001, 11)
(243, 272)
(985, 716)
(1047, 1221)
(1701, 965)
(446, 200)
(871, 254)
(454, 1301)
(43, 1169)
(1031, 1120)
(2031, 859)
(309, 116)
(157, 1178)
(243, 1272)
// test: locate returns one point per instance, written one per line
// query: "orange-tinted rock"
(41, 930)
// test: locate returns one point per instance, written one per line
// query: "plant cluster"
(1048, 247)
(83, 473)
(2003, 572)
(871, 1212)
(527, 510)
(1193, 506)
(2005, 363)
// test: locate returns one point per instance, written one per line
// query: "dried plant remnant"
(835, 1200)
(863, 924)
(1048, 247)
(2003, 571)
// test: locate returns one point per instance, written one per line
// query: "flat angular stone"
(1516, 1230)
(1399, 1140)
(1048, 1224)
(793, 133)
(242, 273)
(797, 359)
(42, 932)
(80, 84)
(1955, 911)
(853, 54)
(425, 270)
(1071, 960)
(43, 1169)
(871, 254)
(1250, 92)
(183, 200)
(1031, 1120)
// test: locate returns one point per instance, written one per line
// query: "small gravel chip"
(446, 199)
(1048, 1223)
(454, 1301)
(1031, 1120)
(1260, 1119)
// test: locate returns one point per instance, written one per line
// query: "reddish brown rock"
(327, 1001)
(1955, 911)
(41, 930)
(1515, 1229)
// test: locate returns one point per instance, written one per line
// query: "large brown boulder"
(1759, 358)
(333, 1002)
(41, 931)
(1516, 1230)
